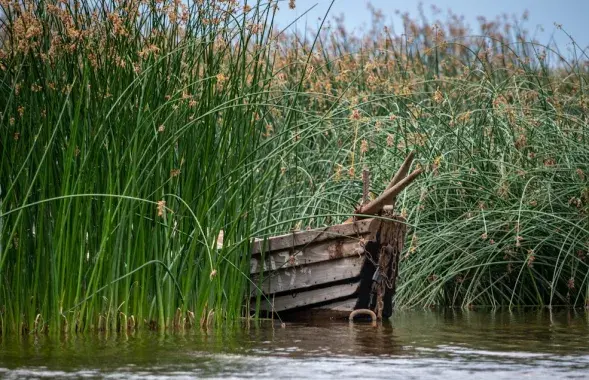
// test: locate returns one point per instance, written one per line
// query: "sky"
(573, 15)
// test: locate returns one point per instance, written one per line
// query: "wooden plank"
(287, 302)
(305, 237)
(345, 305)
(308, 254)
(298, 278)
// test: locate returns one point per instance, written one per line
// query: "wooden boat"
(337, 271)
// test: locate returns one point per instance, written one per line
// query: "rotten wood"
(308, 254)
(291, 301)
(298, 238)
(382, 257)
(365, 185)
(345, 306)
(299, 278)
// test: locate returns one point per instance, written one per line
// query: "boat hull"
(329, 271)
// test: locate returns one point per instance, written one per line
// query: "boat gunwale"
(298, 238)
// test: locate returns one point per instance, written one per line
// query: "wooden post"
(401, 173)
(376, 205)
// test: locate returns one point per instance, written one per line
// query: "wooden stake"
(376, 205)
(365, 185)
(401, 173)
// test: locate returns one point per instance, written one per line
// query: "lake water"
(416, 344)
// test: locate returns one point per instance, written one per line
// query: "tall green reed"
(130, 131)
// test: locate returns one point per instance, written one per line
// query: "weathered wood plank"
(345, 305)
(311, 297)
(305, 237)
(301, 277)
(307, 254)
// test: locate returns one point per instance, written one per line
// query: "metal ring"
(368, 312)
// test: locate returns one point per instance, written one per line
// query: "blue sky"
(572, 14)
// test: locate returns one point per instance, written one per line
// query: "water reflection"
(332, 339)
(413, 344)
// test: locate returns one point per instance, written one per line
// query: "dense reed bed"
(134, 132)
(498, 121)
(130, 139)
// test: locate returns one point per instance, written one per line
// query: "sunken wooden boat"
(339, 271)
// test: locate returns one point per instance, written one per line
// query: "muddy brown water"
(415, 344)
